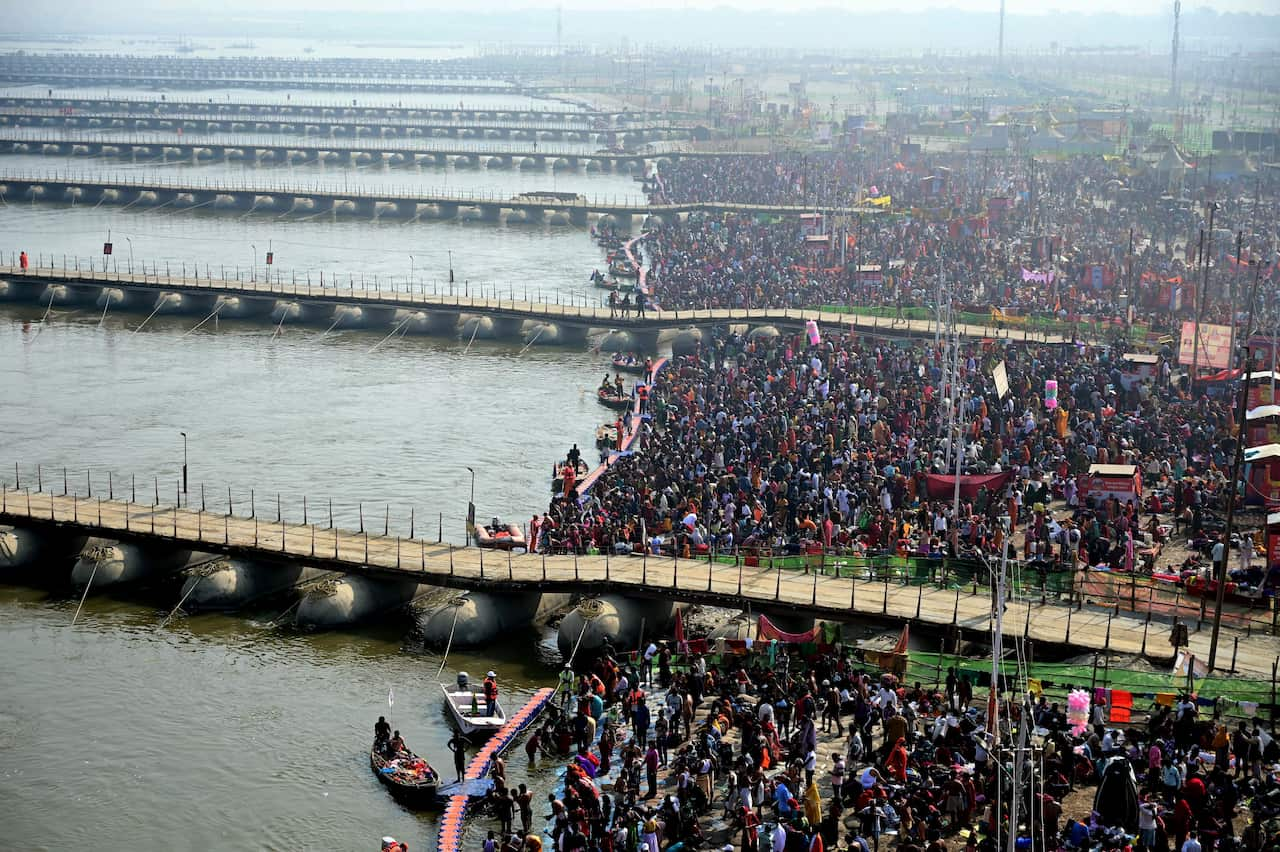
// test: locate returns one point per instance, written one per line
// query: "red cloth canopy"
(940, 486)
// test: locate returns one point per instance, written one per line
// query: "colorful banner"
(1036, 276)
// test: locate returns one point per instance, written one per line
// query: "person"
(524, 801)
(505, 806)
(458, 745)
(1191, 844)
(390, 844)
(396, 745)
(23, 261)
(490, 843)
(566, 683)
(651, 770)
(381, 731)
(490, 689)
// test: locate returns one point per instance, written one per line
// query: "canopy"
(944, 485)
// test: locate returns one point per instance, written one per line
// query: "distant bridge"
(196, 148)
(275, 108)
(824, 593)
(414, 310)
(560, 129)
(372, 202)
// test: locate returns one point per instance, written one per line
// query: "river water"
(218, 732)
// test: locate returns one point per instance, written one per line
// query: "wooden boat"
(610, 399)
(607, 435)
(466, 708)
(499, 535)
(623, 269)
(613, 285)
(557, 477)
(410, 779)
(628, 364)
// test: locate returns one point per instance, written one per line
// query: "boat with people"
(607, 435)
(579, 471)
(629, 362)
(468, 709)
(610, 398)
(623, 268)
(408, 777)
(499, 535)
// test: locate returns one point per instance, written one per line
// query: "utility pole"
(1173, 70)
(1242, 412)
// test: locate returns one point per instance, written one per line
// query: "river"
(218, 732)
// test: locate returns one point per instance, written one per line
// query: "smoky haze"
(1240, 27)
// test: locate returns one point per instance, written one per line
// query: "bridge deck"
(697, 581)
(566, 314)
(16, 180)
(313, 147)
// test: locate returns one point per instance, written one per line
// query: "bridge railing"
(162, 489)
(371, 144)
(894, 586)
(275, 118)
(411, 289)
(343, 108)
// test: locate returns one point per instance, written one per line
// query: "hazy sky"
(1016, 7)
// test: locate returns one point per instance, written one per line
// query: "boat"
(500, 536)
(557, 477)
(607, 436)
(466, 708)
(613, 285)
(623, 269)
(628, 364)
(610, 399)
(410, 779)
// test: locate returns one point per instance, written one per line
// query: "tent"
(1117, 798)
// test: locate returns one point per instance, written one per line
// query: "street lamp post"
(471, 506)
(184, 461)
(253, 267)
(410, 273)
(130, 242)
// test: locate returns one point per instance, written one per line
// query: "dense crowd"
(780, 446)
(784, 752)
(1070, 219)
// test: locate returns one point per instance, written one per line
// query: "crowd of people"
(783, 446)
(774, 751)
(1100, 234)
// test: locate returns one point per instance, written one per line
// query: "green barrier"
(926, 665)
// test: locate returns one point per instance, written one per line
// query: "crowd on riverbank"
(784, 446)
(1075, 239)
(806, 748)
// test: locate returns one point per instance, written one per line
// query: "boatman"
(490, 688)
(642, 391)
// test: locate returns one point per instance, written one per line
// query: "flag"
(391, 696)
(901, 647)
(680, 643)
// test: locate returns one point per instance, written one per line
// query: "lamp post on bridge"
(253, 267)
(184, 461)
(130, 242)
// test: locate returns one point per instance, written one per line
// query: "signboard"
(1001, 376)
(1099, 486)
(1214, 345)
